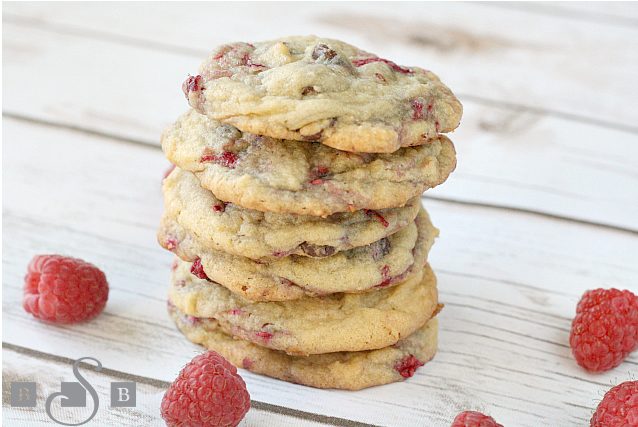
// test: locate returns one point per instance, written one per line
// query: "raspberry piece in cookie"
(197, 270)
(408, 366)
(61, 289)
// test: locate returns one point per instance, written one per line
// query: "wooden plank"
(542, 61)
(611, 13)
(49, 372)
(510, 281)
(507, 157)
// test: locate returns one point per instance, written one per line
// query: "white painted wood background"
(543, 205)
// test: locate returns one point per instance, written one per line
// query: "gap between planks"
(164, 385)
(153, 146)
(65, 29)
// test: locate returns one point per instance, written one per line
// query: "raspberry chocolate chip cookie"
(352, 370)
(324, 90)
(383, 263)
(303, 178)
(265, 235)
(364, 321)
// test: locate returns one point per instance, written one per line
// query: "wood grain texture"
(509, 280)
(47, 373)
(600, 12)
(547, 150)
(504, 54)
(508, 156)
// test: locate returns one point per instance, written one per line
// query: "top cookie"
(315, 89)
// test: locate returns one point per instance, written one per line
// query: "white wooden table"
(543, 204)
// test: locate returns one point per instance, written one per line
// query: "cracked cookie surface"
(383, 263)
(317, 89)
(337, 322)
(342, 370)
(304, 178)
(266, 235)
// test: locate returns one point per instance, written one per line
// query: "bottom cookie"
(343, 370)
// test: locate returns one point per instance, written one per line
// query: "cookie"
(299, 177)
(383, 263)
(364, 321)
(343, 370)
(265, 235)
(324, 90)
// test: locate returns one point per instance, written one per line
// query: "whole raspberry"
(207, 392)
(619, 407)
(474, 419)
(62, 289)
(605, 329)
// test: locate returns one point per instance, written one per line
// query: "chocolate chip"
(317, 251)
(380, 248)
(323, 52)
(313, 137)
(308, 90)
(228, 132)
(325, 55)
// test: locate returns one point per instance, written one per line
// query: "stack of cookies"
(295, 210)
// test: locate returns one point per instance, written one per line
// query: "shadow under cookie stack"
(295, 213)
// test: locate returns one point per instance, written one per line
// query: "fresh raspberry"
(198, 270)
(605, 329)
(619, 407)
(474, 419)
(62, 289)
(207, 392)
(408, 366)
